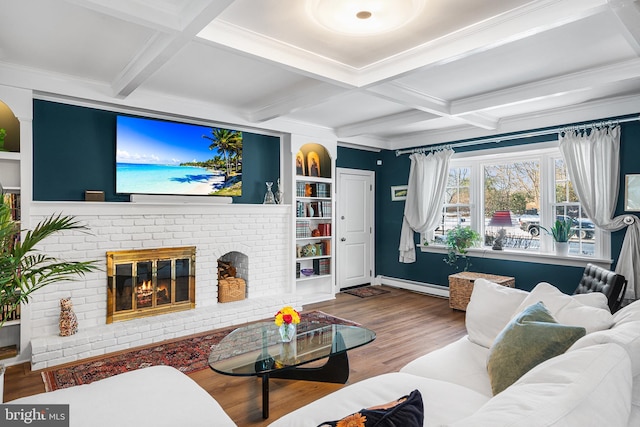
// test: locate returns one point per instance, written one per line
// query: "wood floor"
(407, 325)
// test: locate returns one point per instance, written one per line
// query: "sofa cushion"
(626, 335)
(593, 299)
(408, 411)
(567, 310)
(490, 308)
(587, 387)
(628, 313)
(169, 398)
(461, 362)
(443, 402)
(532, 337)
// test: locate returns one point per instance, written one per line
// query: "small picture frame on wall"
(399, 192)
(632, 193)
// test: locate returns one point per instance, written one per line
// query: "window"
(457, 204)
(567, 206)
(512, 195)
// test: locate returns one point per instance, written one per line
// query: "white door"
(355, 219)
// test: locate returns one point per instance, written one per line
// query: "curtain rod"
(498, 139)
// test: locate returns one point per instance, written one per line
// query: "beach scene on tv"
(162, 157)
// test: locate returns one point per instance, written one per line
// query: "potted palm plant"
(561, 232)
(23, 268)
(458, 240)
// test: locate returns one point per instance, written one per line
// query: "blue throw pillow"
(408, 411)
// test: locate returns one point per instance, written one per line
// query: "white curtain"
(593, 163)
(423, 208)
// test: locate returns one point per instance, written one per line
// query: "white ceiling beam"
(382, 123)
(628, 14)
(134, 12)
(547, 88)
(296, 99)
(479, 120)
(163, 47)
(410, 97)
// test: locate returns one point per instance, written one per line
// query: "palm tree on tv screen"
(226, 141)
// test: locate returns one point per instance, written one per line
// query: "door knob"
(343, 239)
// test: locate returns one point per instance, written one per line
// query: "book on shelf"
(322, 266)
(324, 228)
(13, 201)
(303, 229)
(326, 247)
(322, 190)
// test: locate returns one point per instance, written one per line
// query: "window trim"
(546, 152)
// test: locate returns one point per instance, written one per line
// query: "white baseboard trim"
(425, 288)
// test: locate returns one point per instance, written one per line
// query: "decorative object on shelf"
(279, 194)
(269, 198)
(307, 271)
(309, 250)
(458, 240)
(24, 270)
(286, 320)
(500, 219)
(561, 232)
(313, 163)
(3, 135)
(300, 164)
(68, 320)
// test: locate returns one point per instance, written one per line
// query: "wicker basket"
(461, 286)
(231, 289)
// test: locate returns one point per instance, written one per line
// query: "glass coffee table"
(256, 350)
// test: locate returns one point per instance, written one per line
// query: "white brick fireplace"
(260, 232)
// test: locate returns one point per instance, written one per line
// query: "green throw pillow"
(531, 337)
(408, 411)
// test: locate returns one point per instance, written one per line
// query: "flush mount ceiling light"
(363, 17)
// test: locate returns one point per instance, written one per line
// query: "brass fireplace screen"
(148, 282)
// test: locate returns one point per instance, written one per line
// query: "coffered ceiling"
(458, 69)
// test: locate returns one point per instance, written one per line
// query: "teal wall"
(430, 267)
(74, 150)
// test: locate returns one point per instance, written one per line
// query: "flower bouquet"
(286, 320)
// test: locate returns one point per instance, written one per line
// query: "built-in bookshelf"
(314, 231)
(10, 331)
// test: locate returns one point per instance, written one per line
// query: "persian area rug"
(366, 291)
(189, 354)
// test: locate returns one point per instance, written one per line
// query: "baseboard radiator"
(411, 285)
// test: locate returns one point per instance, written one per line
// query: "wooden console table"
(461, 286)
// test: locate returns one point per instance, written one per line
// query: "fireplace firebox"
(147, 282)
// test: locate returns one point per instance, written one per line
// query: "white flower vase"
(562, 248)
(287, 332)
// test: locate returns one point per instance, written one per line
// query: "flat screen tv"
(164, 157)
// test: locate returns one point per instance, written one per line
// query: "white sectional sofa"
(158, 396)
(596, 382)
